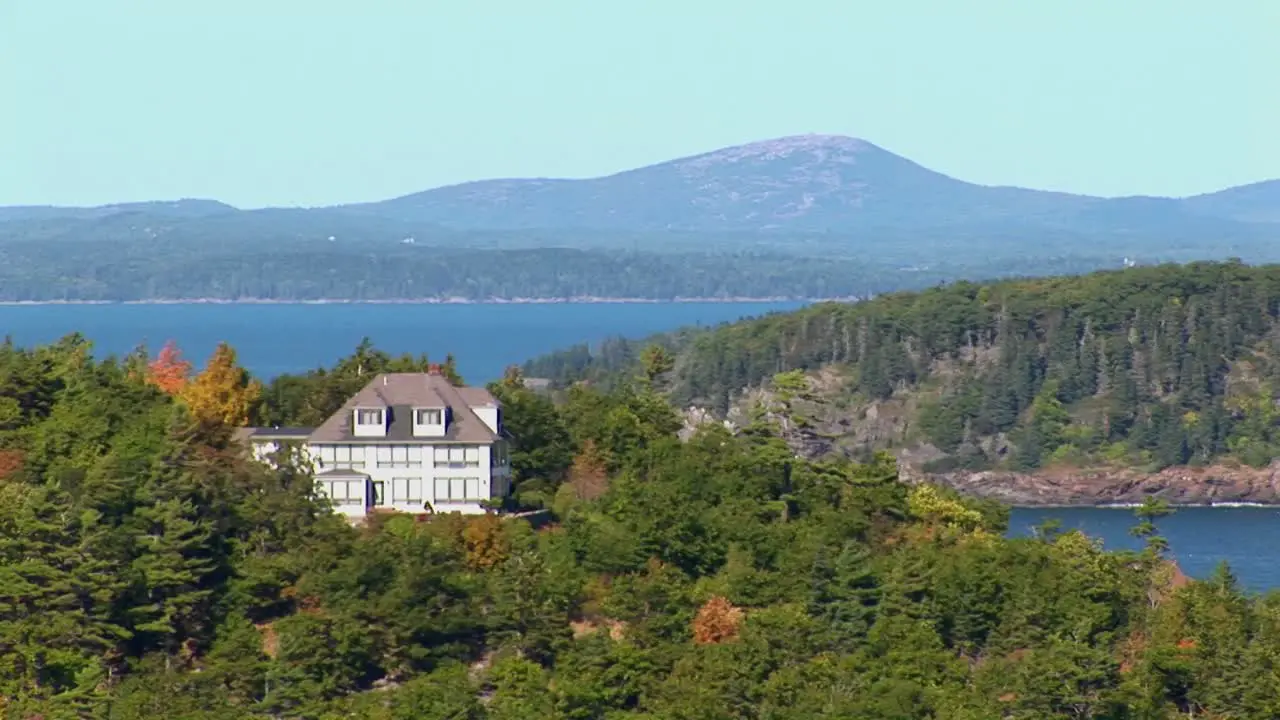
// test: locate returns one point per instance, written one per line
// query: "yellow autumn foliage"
(486, 544)
(932, 507)
(223, 392)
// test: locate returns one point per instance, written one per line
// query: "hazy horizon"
(304, 105)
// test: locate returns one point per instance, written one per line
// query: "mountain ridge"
(803, 183)
(781, 183)
(800, 216)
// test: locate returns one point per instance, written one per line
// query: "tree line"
(1157, 366)
(130, 263)
(149, 568)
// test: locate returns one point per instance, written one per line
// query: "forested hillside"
(230, 267)
(1146, 367)
(148, 569)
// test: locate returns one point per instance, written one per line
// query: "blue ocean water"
(1246, 538)
(279, 338)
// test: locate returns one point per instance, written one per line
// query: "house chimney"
(433, 369)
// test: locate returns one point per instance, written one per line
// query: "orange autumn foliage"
(11, 461)
(485, 543)
(717, 621)
(169, 371)
(270, 639)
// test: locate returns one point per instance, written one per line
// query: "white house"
(410, 442)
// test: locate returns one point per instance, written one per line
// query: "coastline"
(1224, 484)
(579, 300)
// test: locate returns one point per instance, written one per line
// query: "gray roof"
(400, 393)
(341, 472)
(276, 433)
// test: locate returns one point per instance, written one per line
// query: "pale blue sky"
(286, 102)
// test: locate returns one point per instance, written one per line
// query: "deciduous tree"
(717, 621)
(169, 371)
(223, 392)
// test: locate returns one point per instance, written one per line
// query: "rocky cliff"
(819, 420)
(1214, 484)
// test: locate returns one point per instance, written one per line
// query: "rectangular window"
(458, 457)
(473, 489)
(348, 456)
(398, 456)
(406, 490)
(442, 490)
(368, 416)
(457, 489)
(325, 456)
(430, 416)
(356, 492)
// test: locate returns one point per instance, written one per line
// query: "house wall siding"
(406, 476)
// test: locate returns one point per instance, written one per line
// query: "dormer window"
(430, 421)
(369, 416)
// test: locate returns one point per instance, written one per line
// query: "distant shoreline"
(428, 301)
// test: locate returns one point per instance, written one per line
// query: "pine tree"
(589, 474)
(844, 593)
(450, 371)
(528, 612)
(53, 610)
(655, 362)
(171, 595)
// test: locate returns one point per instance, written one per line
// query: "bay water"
(276, 338)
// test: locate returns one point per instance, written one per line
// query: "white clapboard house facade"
(408, 442)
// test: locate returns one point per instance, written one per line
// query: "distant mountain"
(803, 183)
(799, 184)
(186, 208)
(1258, 202)
(809, 197)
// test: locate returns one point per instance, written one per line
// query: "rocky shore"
(1209, 485)
(828, 429)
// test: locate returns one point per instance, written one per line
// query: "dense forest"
(127, 257)
(149, 569)
(1149, 367)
